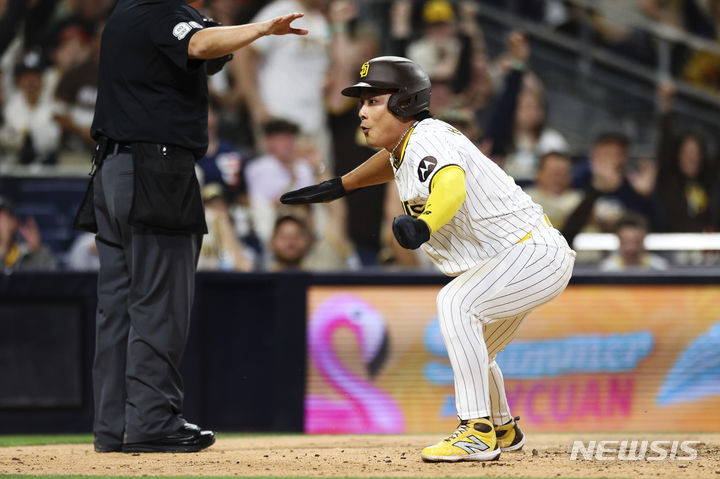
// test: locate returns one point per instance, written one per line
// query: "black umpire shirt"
(148, 88)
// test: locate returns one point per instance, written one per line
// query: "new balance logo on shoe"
(471, 445)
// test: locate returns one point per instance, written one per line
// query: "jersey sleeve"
(429, 153)
(173, 32)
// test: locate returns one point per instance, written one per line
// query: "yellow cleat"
(472, 441)
(509, 436)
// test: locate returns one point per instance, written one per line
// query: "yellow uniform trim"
(398, 161)
(527, 236)
(447, 193)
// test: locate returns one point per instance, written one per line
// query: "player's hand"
(410, 232)
(322, 192)
(281, 25)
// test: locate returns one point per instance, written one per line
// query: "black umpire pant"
(146, 285)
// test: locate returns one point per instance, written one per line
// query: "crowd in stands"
(277, 122)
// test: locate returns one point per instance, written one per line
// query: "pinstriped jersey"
(496, 213)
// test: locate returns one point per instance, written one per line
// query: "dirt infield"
(544, 456)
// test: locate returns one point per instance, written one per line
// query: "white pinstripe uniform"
(507, 257)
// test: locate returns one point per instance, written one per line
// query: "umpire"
(144, 204)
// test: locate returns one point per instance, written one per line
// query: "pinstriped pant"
(481, 311)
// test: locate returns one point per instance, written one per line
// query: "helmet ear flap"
(400, 103)
(393, 104)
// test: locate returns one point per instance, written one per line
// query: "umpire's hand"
(326, 191)
(410, 232)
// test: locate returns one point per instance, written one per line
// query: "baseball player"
(476, 224)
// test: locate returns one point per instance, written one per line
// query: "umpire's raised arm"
(216, 42)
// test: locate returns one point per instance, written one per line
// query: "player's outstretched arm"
(216, 42)
(373, 171)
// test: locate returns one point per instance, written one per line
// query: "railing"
(587, 54)
(653, 242)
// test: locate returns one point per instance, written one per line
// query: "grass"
(25, 476)
(44, 440)
(51, 439)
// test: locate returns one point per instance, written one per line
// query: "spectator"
(631, 255)
(552, 188)
(702, 67)
(75, 98)
(479, 94)
(291, 241)
(633, 190)
(273, 173)
(220, 249)
(29, 131)
(27, 255)
(612, 22)
(685, 183)
(438, 51)
(531, 136)
(517, 134)
(73, 46)
(446, 49)
(328, 248)
(272, 92)
(223, 163)
(88, 12)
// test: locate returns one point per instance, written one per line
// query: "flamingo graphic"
(364, 408)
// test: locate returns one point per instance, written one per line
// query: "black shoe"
(104, 448)
(189, 438)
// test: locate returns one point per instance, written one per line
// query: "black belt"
(115, 147)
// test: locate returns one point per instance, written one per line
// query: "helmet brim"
(356, 90)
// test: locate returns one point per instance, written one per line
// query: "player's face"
(381, 128)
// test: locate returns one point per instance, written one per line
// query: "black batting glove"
(410, 232)
(322, 192)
